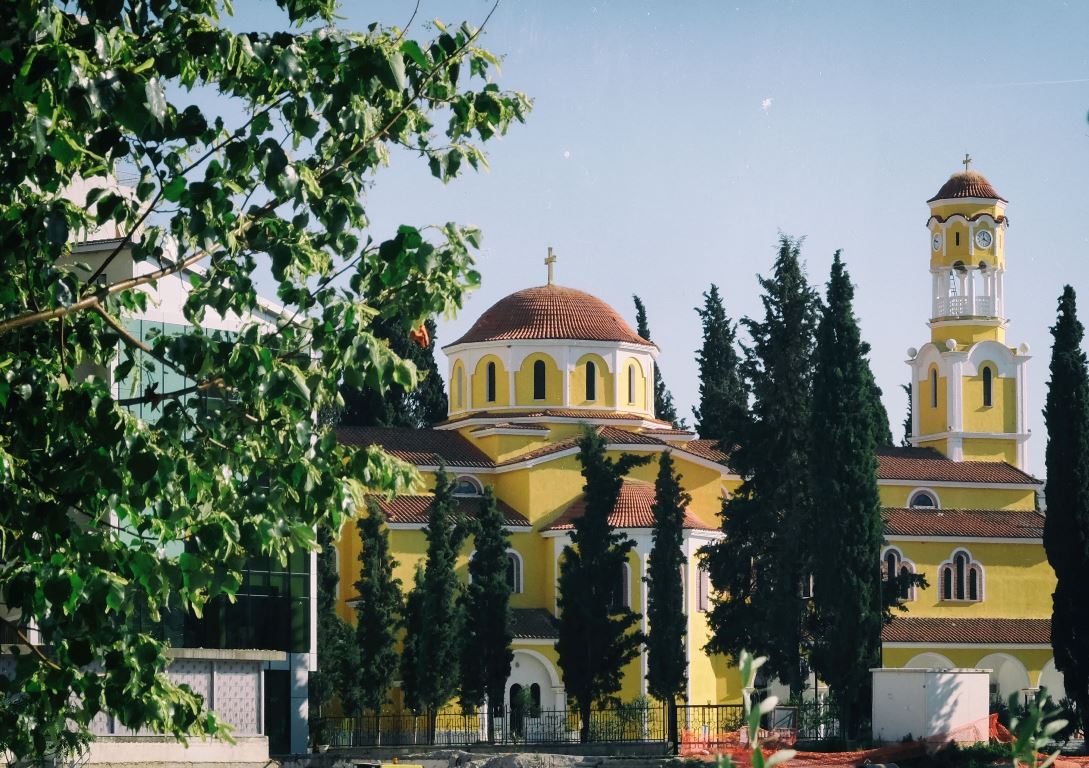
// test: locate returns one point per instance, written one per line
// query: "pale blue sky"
(671, 142)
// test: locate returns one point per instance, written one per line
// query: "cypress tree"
(438, 644)
(414, 666)
(1066, 525)
(597, 637)
(664, 407)
(418, 408)
(909, 417)
(879, 417)
(339, 655)
(760, 566)
(845, 513)
(486, 655)
(723, 400)
(378, 612)
(666, 669)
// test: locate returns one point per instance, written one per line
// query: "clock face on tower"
(983, 238)
(936, 242)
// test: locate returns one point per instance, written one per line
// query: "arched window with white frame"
(923, 498)
(895, 566)
(514, 572)
(960, 578)
(621, 591)
(467, 485)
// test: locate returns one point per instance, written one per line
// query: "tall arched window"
(491, 382)
(987, 386)
(620, 596)
(895, 567)
(961, 578)
(631, 384)
(514, 572)
(591, 381)
(933, 388)
(459, 387)
(703, 588)
(539, 380)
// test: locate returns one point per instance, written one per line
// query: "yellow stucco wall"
(1001, 415)
(1017, 579)
(985, 449)
(967, 334)
(604, 394)
(480, 384)
(1034, 659)
(523, 382)
(963, 497)
(933, 419)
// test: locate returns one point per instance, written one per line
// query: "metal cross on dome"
(549, 261)
(967, 161)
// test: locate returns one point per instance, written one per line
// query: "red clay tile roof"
(533, 624)
(418, 446)
(551, 312)
(416, 509)
(923, 464)
(966, 184)
(632, 510)
(706, 449)
(969, 523)
(907, 629)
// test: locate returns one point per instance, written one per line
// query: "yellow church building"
(544, 362)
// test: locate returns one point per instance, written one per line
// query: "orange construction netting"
(708, 746)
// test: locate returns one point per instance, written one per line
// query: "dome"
(966, 184)
(551, 312)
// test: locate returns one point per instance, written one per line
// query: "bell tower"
(968, 386)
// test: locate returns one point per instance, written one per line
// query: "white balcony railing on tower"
(961, 306)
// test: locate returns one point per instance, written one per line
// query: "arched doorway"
(1008, 675)
(533, 686)
(1052, 679)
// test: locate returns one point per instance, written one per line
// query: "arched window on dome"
(491, 382)
(539, 380)
(621, 596)
(988, 386)
(631, 384)
(933, 387)
(591, 380)
(459, 387)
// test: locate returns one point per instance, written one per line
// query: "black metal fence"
(708, 725)
(623, 723)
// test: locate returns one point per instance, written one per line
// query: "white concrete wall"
(931, 704)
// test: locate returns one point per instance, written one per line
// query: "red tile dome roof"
(966, 184)
(551, 312)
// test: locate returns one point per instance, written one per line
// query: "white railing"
(961, 306)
